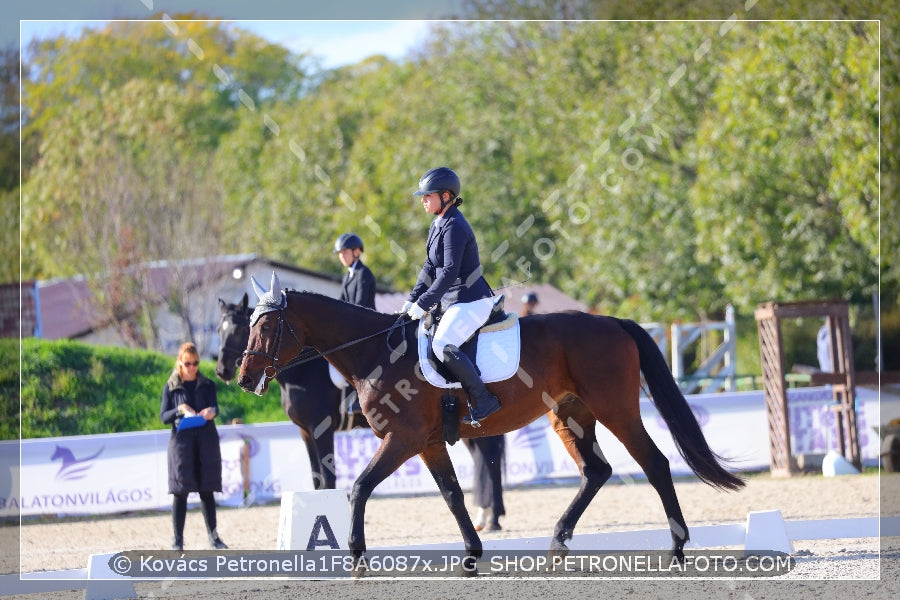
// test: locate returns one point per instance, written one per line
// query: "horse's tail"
(676, 412)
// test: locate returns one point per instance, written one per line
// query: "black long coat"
(194, 457)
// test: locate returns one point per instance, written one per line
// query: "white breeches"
(459, 323)
(336, 378)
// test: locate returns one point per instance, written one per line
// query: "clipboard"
(191, 422)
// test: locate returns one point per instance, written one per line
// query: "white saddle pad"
(497, 356)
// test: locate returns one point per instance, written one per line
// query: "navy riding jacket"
(452, 269)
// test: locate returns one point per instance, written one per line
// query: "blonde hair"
(190, 349)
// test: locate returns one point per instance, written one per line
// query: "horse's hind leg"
(575, 426)
(438, 462)
(656, 467)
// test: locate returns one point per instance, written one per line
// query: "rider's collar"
(271, 301)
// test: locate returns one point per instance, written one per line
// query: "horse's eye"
(265, 328)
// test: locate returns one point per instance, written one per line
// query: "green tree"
(787, 185)
(121, 182)
(9, 164)
(198, 56)
(622, 162)
(9, 118)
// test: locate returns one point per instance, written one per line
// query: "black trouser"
(487, 461)
(179, 513)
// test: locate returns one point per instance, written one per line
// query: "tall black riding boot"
(484, 403)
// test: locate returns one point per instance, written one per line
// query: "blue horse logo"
(73, 468)
(531, 436)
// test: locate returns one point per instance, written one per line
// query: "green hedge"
(9, 389)
(71, 388)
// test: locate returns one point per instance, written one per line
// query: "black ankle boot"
(484, 403)
(178, 543)
(216, 542)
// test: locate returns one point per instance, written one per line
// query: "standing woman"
(194, 458)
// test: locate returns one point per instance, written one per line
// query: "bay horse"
(309, 398)
(576, 367)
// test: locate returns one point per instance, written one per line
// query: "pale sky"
(337, 43)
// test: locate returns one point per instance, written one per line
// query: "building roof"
(550, 299)
(66, 306)
(67, 310)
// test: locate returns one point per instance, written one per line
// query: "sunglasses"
(191, 363)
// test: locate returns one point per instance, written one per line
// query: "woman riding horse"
(451, 281)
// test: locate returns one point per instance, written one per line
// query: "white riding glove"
(415, 312)
(406, 306)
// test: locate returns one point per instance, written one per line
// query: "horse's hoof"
(358, 570)
(494, 526)
(558, 550)
(678, 554)
(469, 568)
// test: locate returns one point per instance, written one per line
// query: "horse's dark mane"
(350, 305)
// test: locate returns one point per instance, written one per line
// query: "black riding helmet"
(348, 240)
(438, 180)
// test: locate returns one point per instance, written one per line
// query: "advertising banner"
(121, 472)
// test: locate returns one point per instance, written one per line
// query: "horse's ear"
(222, 306)
(257, 287)
(244, 301)
(275, 285)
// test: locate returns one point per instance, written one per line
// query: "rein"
(304, 356)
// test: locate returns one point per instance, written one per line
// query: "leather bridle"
(272, 371)
(274, 368)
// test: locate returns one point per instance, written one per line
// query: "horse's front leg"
(391, 454)
(438, 462)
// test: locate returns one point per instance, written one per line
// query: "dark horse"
(308, 397)
(575, 367)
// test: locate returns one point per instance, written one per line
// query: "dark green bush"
(70, 388)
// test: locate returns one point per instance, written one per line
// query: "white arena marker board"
(766, 531)
(314, 520)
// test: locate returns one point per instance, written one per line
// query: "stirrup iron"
(475, 423)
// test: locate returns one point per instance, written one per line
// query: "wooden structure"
(842, 380)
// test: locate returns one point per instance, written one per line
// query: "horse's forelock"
(269, 302)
